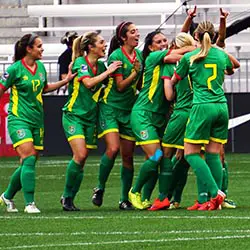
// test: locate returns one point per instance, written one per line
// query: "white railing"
(237, 83)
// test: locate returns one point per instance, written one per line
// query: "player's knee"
(81, 157)
(112, 151)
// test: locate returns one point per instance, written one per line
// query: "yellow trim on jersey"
(108, 131)
(147, 142)
(126, 137)
(22, 142)
(190, 82)
(95, 97)
(172, 146)
(91, 146)
(38, 147)
(76, 137)
(218, 140)
(107, 89)
(153, 86)
(76, 86)
(196, 141)
(39, 97)
(15, 100)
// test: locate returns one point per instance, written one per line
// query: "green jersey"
(151, 96)
(122, 99)
(184, 92)
(83, 101)
(26, 103)
(207, 76)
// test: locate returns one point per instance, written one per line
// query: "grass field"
(109, 228)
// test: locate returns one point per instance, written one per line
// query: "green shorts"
(111, 119)
(207, 122)
(75, 127)
(147, 126)
(175, 130)
(21, 132)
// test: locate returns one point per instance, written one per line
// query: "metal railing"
(237, 83)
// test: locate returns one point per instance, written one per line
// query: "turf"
(109, 228)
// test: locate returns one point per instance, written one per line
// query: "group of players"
(104, 101)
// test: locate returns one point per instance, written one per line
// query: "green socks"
(78, 183)
(149, 186)
(105, 168)
(28, 178)
(72, 172)
(214, 163)
(148, 168)
(179, 179)
(165, 177)
(126, 182)
(14, 184)
(203, 173)
(224, 187)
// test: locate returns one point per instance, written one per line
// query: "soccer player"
(173, 138)
(115, 109)
(27, 79)
(148, 118)
(208, 119)
(80, 111)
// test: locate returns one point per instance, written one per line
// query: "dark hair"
(149, 41)
(20, 46)
(120, 33)
(69, 37)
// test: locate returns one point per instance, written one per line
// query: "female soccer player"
(148, 121)
(115, 109)
(208, 119)
(80, 111)
(27, 79)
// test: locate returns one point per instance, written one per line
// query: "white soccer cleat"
(10, 205)
(32, 209)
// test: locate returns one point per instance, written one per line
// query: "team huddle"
(167, 98)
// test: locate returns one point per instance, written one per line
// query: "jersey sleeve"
(82, 70)
(182, 68)
(8, 78)
(157, 57)
(168, 71)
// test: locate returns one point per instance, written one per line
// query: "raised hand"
(223, 14)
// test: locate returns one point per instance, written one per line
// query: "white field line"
(129, 242)
(137, 217)
(124, 233)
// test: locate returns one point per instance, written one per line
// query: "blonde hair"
(206, 32)
(81, 44)
(183, 39)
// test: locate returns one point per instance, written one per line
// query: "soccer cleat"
(217, 201)
(228, 204)
(125, 205)
(146, 204)
(31, 209)
(194, 207)
(135, 199)
(160, 205)
(97, 197)
(10, 205)
(68, 204)
(204, 206)
(174, 205)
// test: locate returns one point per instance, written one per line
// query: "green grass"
(109, 228)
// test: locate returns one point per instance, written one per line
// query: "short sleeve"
(82, 70)
(182, 68)
(8, 78)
